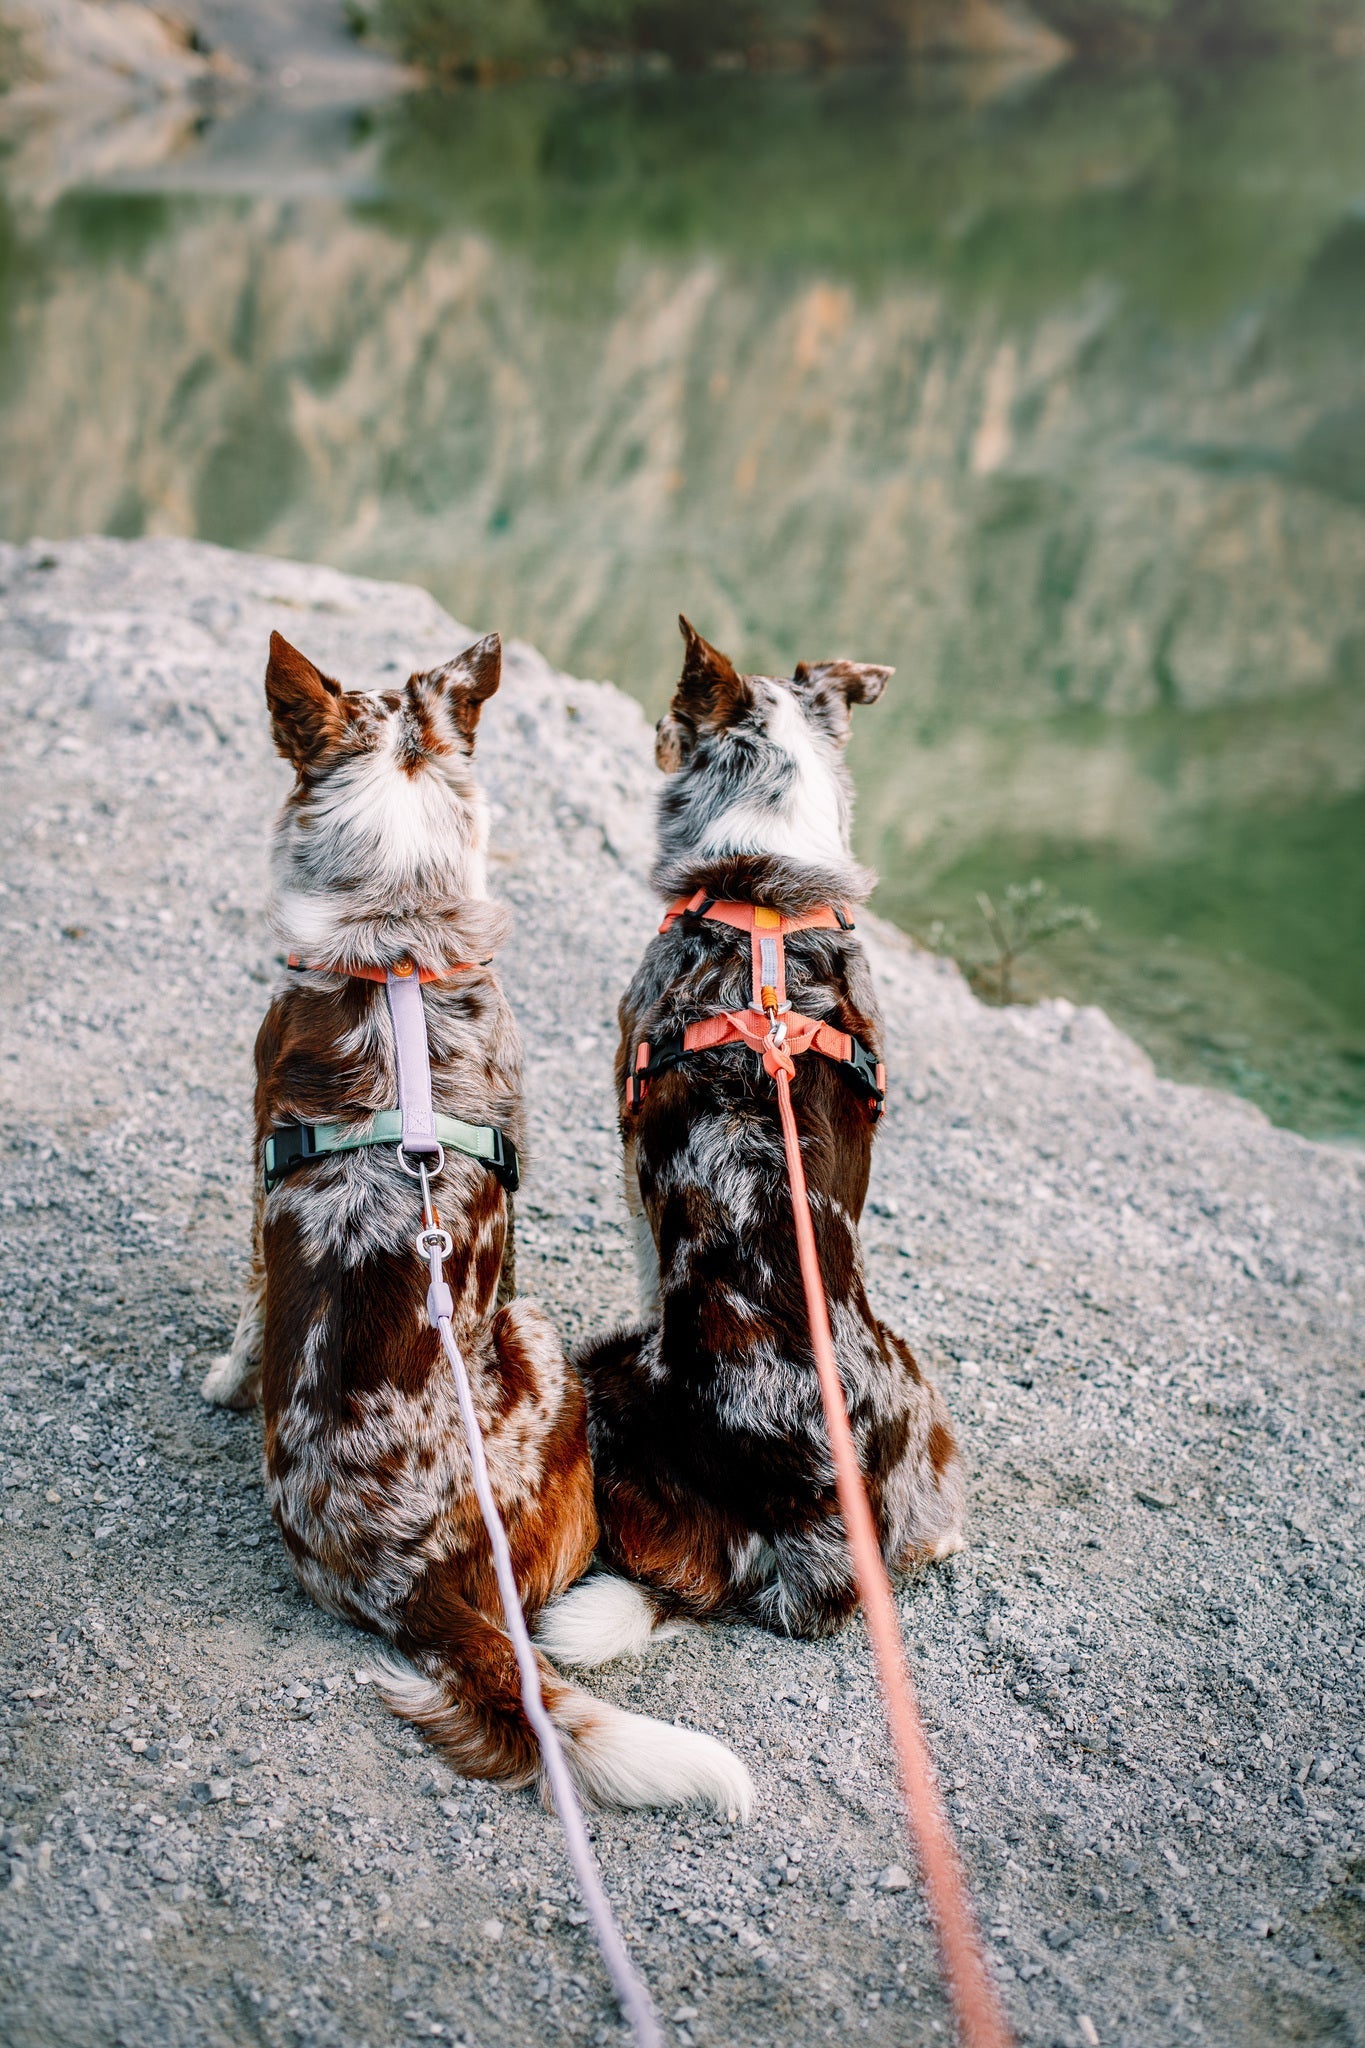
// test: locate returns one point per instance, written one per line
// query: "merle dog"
(379, 862)
(714, 1482)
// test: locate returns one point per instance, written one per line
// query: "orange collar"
(401, 969)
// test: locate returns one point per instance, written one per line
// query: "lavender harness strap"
(413, 1061)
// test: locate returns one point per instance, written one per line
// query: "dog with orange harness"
(714, 1478)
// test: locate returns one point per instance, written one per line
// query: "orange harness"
(776, 1032)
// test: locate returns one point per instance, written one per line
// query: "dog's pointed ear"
(710, 694)
(307, 708)
(708, 676)
(861, 682)
(467, 682)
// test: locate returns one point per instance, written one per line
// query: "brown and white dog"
(715, 1487)
(379, 859)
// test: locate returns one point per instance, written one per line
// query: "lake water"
(1048, 390)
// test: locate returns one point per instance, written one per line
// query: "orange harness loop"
(778, 1037)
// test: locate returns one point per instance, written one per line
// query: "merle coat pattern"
(714, 1482)
(379, 856)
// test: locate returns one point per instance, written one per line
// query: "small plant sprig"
(1028, 915)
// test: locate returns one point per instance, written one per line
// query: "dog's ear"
(307, 709)
(466, 683)
(709, 690)
(710, 693)
(861, 682)
(674, 739)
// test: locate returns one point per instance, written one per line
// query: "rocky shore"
(1144, 1304)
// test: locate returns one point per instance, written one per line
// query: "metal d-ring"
(423, 1165)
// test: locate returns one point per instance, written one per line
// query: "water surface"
(1047, 390)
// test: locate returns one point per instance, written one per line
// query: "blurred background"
(1019, 347)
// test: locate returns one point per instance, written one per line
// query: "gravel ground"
(1144, 1302)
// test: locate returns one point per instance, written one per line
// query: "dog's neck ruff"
(776, 1032)
(419, 1132)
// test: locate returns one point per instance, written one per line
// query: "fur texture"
(714, 1482)
(379, 856)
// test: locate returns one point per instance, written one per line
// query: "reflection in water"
(1054, 401)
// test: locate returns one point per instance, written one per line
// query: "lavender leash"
(634, 1999)
(435, 1246)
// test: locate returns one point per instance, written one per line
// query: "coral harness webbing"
(860, 1068)
(420, 1154)
(976, 2006)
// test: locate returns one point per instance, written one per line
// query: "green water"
(1048, 390)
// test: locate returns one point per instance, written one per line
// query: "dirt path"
(1144, 1676)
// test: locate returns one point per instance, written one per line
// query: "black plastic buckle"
(505, 1163)
(664, 1055)
(867, 1075)
(288, 1145)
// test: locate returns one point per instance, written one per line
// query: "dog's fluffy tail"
(466, 1699)
(600, 1619)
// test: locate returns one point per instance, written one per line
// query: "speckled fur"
(379, 855)
(714, 1482)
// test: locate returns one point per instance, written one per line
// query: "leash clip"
(433, 1241)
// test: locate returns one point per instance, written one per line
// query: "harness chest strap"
(778, 1034)
(288, 1145)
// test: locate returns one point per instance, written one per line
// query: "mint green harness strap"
(289, 1144)
(479, 1141)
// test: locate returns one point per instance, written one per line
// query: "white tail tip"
(402, 1687)
(622, 1759)
(597, 1620)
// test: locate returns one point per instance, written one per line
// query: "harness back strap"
(415, 1127)
(413, 1061)
(777, 1033)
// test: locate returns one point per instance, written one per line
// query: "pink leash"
(435, 1245)
(980, 2018)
